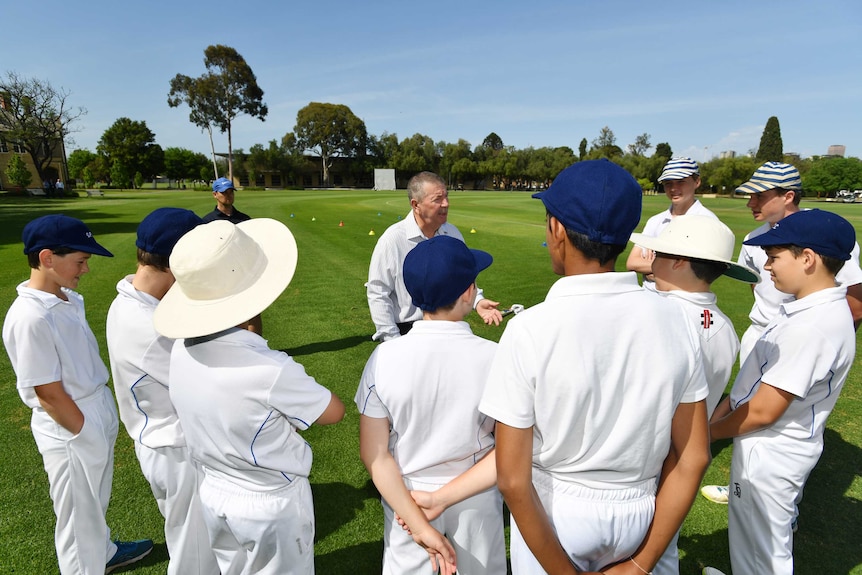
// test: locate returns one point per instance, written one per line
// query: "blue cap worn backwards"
(437, 271)
(823, 232)
(162, 229)
(596, 198)
(222, 185)
(59, 231)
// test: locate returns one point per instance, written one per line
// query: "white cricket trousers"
(80, 469)
(259, 533)
(767, 475)
(595, 527)
(174, 480)
(474, 527)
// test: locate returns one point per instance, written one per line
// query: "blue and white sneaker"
(715, 493)
(128, 552)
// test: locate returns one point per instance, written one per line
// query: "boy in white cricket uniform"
(680, 179)
(786, 389)
(62, 378)
(594, 407)
(775, 191)
(241, 403)
(691, 253)
(420, 426)
(140, 361)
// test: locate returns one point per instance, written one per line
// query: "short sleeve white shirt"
(767, 298)
(428, 384)
(140, 364)
(807, 350)
(48, 339)
(718, 340)
(388, 299)
(241, 404)
(599, 384)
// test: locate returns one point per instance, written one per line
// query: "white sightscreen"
(384, 179)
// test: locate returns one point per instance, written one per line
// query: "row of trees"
(127, 151)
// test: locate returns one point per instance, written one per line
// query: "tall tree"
(330, 130)
(129, 146)
(493, 141)
(605, 145)
(771, 147)
(37, 117)
(227, 89)
(663, 150)
(641, 145)
(582, 149)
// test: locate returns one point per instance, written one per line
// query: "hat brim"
(178, 316)
(657, 244)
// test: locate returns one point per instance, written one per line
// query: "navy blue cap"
(596, 198)
(162, 229)
(823, 232)
(222, 185)
(437, 271)
(59, 231)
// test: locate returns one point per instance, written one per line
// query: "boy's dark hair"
(158, 261)
(834, 265)
(33, 257)
(707, 270)
(594, 250)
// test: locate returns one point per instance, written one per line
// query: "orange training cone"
(341, 224)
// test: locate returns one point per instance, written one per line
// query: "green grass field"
(322, 320)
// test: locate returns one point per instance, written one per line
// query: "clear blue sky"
(702, 76)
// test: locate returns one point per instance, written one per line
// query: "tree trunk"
(212, 148)
(229, 154)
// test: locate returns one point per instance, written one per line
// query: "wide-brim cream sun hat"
(225, 275)
(699, 237)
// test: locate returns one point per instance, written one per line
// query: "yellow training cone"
(371, 233)
(473, 231)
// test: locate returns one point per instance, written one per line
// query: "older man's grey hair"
(416, 185)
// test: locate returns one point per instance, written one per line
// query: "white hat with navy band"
(770, 176)
(679, 168)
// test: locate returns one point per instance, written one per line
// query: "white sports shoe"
(712, 571)
(715, 493)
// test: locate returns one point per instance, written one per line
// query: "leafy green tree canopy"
(330, 130)
(131, 144)
(493, 141)
(18, 173)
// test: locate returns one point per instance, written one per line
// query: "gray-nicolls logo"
(737, 491)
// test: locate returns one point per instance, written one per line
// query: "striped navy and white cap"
(772, 175)
(678, 168)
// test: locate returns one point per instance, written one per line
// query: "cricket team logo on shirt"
(706, 319)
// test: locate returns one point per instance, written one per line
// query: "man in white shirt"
(392, 310)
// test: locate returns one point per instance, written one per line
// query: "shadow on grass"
(361, 558)
(336, 504)
(829, 520)
(334, 345)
